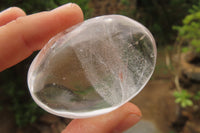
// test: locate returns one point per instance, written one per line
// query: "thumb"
(113, 122)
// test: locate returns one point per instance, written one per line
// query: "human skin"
(21, 35)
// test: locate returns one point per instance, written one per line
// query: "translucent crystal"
(93, 67)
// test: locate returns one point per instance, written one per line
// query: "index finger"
(19, 38)
(10, 14)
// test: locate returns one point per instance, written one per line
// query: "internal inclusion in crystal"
(67, 87)
(99, 64)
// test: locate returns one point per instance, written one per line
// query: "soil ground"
(157, 104)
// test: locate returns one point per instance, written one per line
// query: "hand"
(20, 35)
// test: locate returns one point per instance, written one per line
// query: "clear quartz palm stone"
(93, 67)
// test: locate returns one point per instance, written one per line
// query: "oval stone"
(93, 67)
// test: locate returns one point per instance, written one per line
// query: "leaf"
(185, 49)
(197, 96)
(176, 94)
(189, 102)
(183, 104)
(183, 97)
(178, 100)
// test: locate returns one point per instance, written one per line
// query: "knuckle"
(18, 20)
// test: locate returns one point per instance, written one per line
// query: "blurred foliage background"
(159, 16)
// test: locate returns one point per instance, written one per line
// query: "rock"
(93, 68)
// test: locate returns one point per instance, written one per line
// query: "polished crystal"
(93, 67)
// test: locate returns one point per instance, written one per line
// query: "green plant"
(16, 97)
(195, 7)
(127, 8)
(160, 15)
(26, 113)
(183, 98)
(25, 110)
(189, 32)
(125, 2)
(197, 96)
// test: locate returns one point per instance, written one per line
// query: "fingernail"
(65, 6)
(128, 122)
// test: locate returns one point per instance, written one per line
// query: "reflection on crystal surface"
(93, 68)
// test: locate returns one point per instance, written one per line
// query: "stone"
(93, 67)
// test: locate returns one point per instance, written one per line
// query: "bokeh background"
(170, 102)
